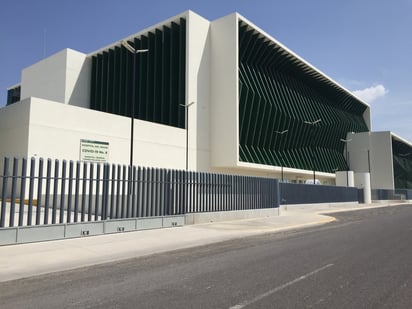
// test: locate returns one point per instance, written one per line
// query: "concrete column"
(363, 181)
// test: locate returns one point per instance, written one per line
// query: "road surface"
(363, 260)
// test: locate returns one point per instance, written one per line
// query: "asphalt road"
(363, 260)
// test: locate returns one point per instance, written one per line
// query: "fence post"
(13, 192)
(124, 192)
(129, 190)
(47, 197)
(170, 200)
(105, 193)
(70, 193)
(97, 198)
(4, 192)
(90, 204)
(55, 186)
(277, 190)
(22, 190)
(39, 191)
(118, 196)
(112, 191)
(139, 193)
(134, 194)
(76, 192)
(31, 188)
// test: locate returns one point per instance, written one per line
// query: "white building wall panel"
(372, 152)
(63, 77)
(224, 92)
(14, 128)
(55, 131)
(198, 91)
(382, 161)
(46, 79)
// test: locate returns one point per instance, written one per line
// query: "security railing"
(394, 195)
(43, 192)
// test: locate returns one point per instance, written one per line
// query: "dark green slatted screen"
(402, 164)
(13, 95)
(160, 77)
(276, 93)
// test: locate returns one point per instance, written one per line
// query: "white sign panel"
(94, 151)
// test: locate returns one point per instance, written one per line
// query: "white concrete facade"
(371, 152)
(53, 115)
(55, 132)
(224, 93)
(63, 77)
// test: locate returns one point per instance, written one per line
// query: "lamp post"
(134, 51)
(346, 141)
(313, 123)
(281, 164)
(186, 106)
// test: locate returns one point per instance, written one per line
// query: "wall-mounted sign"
(94, 151)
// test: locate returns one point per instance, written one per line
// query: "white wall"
(14, 128)
(382, 161)
(359, 149)
(345, 179)
(78, 79)
(224, 92)
(63, 77)
(372, 152)
(198, 90)
(55, 131)
(45, 79)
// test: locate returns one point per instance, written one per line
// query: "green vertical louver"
(277, 93)
(402, 164)
(160, 77)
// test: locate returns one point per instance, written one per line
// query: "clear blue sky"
(365, 45)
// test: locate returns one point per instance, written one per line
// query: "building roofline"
(400, 139)
(14, 86)
(142, 32)
(299, 58)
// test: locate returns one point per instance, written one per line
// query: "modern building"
(219, 96)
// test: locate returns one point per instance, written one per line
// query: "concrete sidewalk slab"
(26, 260)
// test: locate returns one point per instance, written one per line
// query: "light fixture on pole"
(186, 106)
(313, 123)
(281, 164)
(346, 141)
(134, 51)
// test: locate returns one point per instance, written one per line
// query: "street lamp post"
(134, 51)
(346, 141)
(313, 123)
(186, 106)
(281, 164)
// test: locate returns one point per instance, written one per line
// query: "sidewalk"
(26, 260)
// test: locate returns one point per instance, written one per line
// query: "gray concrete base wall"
(35, 233)
(315, 207)
(207, 217)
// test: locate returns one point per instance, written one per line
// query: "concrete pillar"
(363, 181)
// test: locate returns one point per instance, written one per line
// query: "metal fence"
(291, 193)
(394, 195)
(41, 192)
